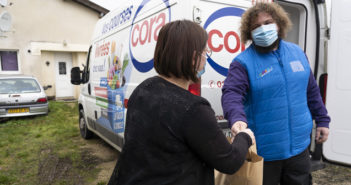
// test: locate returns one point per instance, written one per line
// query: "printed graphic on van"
(111, 90)
(223, 40)
(144, 33)
(118, 20)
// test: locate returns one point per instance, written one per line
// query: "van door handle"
(89, 89)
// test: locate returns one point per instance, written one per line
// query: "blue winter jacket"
(276, 104)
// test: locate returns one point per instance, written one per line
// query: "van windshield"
(18, 85)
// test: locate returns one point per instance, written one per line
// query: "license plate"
(20, 110)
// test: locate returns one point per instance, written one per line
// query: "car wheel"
(84, 131)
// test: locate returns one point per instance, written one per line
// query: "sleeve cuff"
(244, 137)
(231, 122)
(323, 124)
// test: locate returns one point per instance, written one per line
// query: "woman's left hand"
(322, 134)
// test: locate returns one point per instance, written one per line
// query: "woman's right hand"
(251, 134)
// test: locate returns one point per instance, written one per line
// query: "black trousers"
(292, 171)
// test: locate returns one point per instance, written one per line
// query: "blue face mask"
(199, 73)
(265, 35)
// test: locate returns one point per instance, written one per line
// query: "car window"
(18, 85)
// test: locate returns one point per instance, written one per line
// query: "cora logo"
(143, 37)
(222, 37)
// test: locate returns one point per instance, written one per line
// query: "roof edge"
(97, 8)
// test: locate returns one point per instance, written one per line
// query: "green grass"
(44, 149)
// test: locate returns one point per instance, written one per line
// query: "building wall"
(42, 27)
(47, 78)
(78, 60)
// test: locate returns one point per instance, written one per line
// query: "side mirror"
(75, 76)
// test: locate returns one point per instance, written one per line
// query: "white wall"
(42, 27)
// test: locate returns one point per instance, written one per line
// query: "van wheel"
(84, 131)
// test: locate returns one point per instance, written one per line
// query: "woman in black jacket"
(171, 135)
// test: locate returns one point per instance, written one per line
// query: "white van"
(122, 47)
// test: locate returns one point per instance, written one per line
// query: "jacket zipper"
(287, 94)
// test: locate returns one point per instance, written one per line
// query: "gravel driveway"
(332, 175)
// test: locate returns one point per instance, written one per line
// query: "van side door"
(338, 92)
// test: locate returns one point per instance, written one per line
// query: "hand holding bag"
(250, 173)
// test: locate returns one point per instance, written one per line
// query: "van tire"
(83, 127)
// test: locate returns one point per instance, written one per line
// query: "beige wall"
(47, 72)
(78, 60)
(42, 26)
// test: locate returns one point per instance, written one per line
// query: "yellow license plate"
(20, 110)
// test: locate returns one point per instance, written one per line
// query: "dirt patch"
(72, 104)
(95, 154)
(105, 173)
(100, 149)
(332, 175)
(108, 158)
(53, 169)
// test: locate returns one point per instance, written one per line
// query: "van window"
(298, 16)
(85, 77)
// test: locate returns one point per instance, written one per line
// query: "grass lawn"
(45, 149)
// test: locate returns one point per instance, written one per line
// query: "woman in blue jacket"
(270, 88)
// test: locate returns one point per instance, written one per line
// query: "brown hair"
(278, 14)
(178, 43)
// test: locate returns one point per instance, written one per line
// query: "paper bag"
(250, 173)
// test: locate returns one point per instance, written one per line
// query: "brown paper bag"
(250, 173)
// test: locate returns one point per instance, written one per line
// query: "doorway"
(63, 65)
